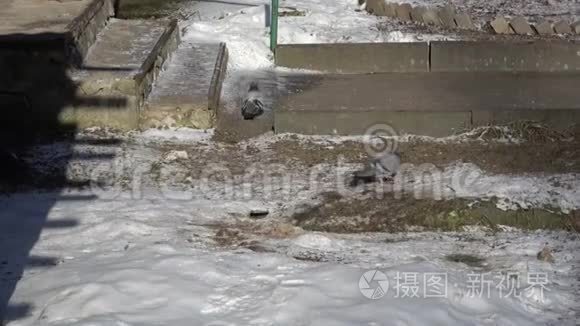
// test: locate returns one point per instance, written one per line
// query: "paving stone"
(521, 26)
(464, 21)
(390, 9)
(431, 17)
(372, 6)
(505, 55)
(501, 26)
(576, 27)
(544, 27)
(447, 15)
(562, 27)
(417, 14)
(404, 11)
(380, 8)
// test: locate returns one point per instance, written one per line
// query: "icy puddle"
(157, 262)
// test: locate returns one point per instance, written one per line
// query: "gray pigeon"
(383, 167)
(252, 106)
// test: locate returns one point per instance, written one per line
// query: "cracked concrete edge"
(218, 77)
(83, 30)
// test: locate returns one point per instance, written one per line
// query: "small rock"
(404, 12)
(521, 26)
(501, 26)
(546, 255)
(259, 213)
(430, 17)
(174, 155)
(562, 27)
(576, 27)
(544, 27)
(463, 21)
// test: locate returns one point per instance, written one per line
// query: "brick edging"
(448, 17)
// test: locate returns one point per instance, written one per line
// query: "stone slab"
(463, 21)
(576, 27)
(390, 9)
(372, 6)
(431, 17)
(380, 9)
(434, 124)
(39, 16)
(562, 27)
(544, 27)
(355, 58)
(403, 11)
(417, 14)
(186, 93)
(447, 102)
(501, 26)
(447, 15)
(65, 27)
(505, 56)
(521, 26)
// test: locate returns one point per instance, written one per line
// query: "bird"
(379, 168)
(252, 106)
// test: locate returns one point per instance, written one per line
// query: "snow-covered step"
(188, 90)
(118, 72)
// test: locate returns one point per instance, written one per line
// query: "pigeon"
(252, 106)
(383, 167)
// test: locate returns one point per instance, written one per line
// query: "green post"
(274, 26)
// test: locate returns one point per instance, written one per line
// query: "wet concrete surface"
(273, 85)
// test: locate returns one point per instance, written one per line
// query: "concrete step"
(188, 89)
(118, 72)
(431, 103)
(61, 29)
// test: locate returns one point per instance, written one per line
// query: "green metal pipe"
(274, 26)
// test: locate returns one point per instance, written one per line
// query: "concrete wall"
(505, 56)
(355, 57)
(438, 56)
(429, 103)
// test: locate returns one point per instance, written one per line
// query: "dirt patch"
(493, 157)
(469, 260)
(347, 215)
(246, 233)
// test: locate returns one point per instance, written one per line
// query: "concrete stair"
(70, 64)
(118, 72)
(188, 89)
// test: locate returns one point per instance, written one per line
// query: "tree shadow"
(35, 89)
